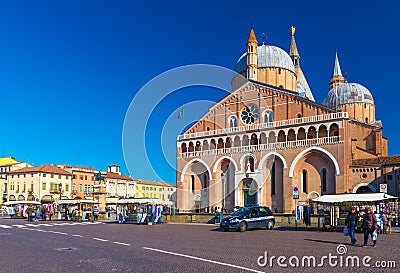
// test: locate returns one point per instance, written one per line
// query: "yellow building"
(8, 164)
(154, 189)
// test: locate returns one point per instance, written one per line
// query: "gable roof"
(111, 175)
(5, 161)
(42, 169)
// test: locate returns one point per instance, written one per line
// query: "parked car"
(249, 218)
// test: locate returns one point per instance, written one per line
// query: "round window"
(249, 114)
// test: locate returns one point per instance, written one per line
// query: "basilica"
(269, 138)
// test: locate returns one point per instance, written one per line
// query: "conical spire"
(293, 47)
(336, 68)
(252, 36)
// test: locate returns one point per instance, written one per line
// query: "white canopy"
(76, 201)
(353, 197)
(22, 202)
(142, 201)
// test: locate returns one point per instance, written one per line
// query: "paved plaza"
(111, 247)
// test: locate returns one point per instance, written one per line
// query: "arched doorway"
(47, 199)
(225, 185)
(30, 197)
(364, 189)
(195, 193)
(249, 191)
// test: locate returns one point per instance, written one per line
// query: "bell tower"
(252, 56)
(337, 77)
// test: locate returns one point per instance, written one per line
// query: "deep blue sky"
(69, 69)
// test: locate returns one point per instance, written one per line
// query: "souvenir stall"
(336, 207)
(76, 209)
(141, 210)
(19, 209)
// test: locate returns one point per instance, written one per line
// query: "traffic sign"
(383, 188)
(295, 192)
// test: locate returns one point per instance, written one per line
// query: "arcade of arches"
(255, 178)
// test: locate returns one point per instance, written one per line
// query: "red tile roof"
(118, 176)
(81, 168)
(154, 183)
(42, 169)
(385, 160)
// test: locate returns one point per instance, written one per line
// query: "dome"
(268, 56)
(348, 93)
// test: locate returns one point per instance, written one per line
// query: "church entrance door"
(249, 199)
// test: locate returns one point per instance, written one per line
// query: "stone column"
(99, 195)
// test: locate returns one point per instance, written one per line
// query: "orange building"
(82, 180)
(269, 136)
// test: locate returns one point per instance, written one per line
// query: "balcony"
(267, 125)
(265, 147)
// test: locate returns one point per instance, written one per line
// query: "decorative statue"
(248, 169)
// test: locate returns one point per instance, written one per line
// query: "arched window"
(268, 116)
(304, 180)
(192, 177)
(233, 122)
(273, 179)
(323, 179)
(205, 181)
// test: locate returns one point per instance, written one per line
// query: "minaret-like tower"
(293, 52)
(302, 85)
(252, 56)
(337, 77)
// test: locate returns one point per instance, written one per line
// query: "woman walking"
(370, 225)
(352, 223)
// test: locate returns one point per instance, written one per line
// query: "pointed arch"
(300, 155)
(222, 158)
(265, 157)
(184, 170)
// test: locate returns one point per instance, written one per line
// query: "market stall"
(76, 209)
(142, 210)
(19, 209)
(336, 207)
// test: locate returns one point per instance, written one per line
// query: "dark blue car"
(249, 218)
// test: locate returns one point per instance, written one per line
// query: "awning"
(76, 201)
(21, 202)
(142, 201)
(353, 197)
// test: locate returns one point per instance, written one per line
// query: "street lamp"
(60, 188)
(223, 191)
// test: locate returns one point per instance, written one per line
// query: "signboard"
(295, 193)
(383, 188)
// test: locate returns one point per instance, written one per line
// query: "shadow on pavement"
(327, 242)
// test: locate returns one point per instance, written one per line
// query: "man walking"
(351, 223)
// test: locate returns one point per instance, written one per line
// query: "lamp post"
(60, 188)
(223, 178)
(59, 205)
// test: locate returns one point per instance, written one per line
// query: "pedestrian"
(120, 217)
(31, 214)
(351, 223)
(43, 213)
(385, 222)
(95, 213)
(370, 226)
